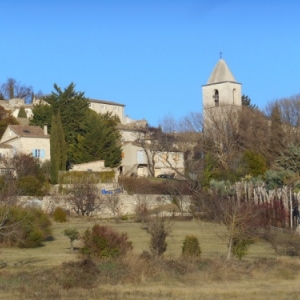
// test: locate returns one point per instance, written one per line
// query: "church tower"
(221, 94)
(221, 89)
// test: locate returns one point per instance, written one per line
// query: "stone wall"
(127, 204)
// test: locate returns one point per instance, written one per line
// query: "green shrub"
(24, 227)
(72, 234)
(91, 177)
(104, 242)
(159, 228)
(156, 186)
(124, 218)
(30, 186)
(59, 215)
(191, 247)
(240, 247)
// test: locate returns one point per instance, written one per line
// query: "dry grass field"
(55, 272)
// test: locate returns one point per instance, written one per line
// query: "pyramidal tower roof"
(221, 73)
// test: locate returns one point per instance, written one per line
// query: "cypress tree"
(62, 144)
(54, 151)
(58, 148)
(22, 113)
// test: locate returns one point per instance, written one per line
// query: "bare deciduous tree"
(142, 211)
(221, 135)
(13, 89)
(84, 198)
(112, 202)
(241, 220)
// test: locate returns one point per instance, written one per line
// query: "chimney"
(45, 129)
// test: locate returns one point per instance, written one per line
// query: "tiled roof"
(6, 146)
(28, 131)
(105, 102)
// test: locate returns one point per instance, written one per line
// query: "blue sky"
(152, 56)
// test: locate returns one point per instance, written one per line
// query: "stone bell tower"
(222, 92)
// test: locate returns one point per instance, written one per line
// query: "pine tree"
(101, 142)
(73, 107)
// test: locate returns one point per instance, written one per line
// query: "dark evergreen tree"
(22, 113)
(246, 101)
(63, 148)
(58, 148)
(290, 159)
(88, 136)
(54, 151)
(102, 141)
(42, 114)
(73, 107)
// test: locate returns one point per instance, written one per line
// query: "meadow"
(54, 271)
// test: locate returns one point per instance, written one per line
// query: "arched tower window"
(233, 96)
(216, 97)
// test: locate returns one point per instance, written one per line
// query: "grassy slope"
(57, 251)
(235, 281)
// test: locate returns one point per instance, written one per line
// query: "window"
(140, 156)
(37, 153)
(233, 96)
(216, 97)
(40, 153)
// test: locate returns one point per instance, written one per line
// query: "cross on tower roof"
(221, 54)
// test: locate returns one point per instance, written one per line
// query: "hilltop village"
(193, 198)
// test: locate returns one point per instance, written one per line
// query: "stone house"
(132, 131)
(135, 161)
(102, 106)
(26, 139)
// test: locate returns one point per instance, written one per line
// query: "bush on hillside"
(30, 186)
(59, 215)
(24, 227)
(191, 247)
(104, 242)
(240, 247)
(154, 186)
(159, 228)
(72, 234)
